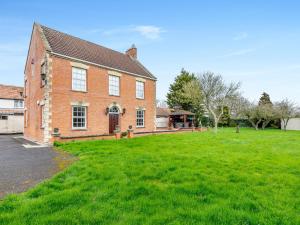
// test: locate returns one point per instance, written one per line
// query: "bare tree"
(267, 113)
(211, 90)
(285, 110)
(253, 113)
(237, 106)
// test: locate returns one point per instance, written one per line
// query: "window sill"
(140, 127)
(114, 95)
(140, 98)
(79, 129)
(79, 91)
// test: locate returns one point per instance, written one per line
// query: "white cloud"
(147, 31)
(150, 32)
(240, 36)
(239, 52)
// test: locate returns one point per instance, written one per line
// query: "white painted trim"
(140, 79)
(79, 65)
(80, 103)
(80, 128)
(140, 126)
(116, 104)
(99, 65)
(85, 88)
(140, 108)
(114, 73)
(136, 82)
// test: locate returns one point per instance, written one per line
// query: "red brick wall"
(33, 90)
(98, 98)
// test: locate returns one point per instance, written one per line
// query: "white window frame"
(138, 117)
(79, 79)
(18, 104)
(140, 89)
(78, 117)
(113, 86)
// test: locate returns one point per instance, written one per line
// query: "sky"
(253, 42)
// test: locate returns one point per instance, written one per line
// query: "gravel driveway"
(21, 168)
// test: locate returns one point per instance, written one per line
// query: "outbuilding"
(11, 109)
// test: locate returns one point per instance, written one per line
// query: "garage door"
(162, 122)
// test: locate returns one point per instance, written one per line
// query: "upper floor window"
(140, 89)
(78, 79)
(114, 85)
(18, 103)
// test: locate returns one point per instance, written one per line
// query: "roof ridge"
(81, 39)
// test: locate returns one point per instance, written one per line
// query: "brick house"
(78, 89)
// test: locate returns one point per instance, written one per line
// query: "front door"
(113, 122)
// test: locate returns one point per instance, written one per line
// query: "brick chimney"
(132, 52)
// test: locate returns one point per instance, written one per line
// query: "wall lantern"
(124, 111)
(106, 111)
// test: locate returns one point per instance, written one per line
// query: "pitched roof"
(172, 112)
(163, 111)
(177, 112)
(70, 46)
(10, 92)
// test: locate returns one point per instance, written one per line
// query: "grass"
(191, 178)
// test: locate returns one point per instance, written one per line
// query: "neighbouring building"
(75, 89)
(11, 109)
(174, 118)
(293, 124)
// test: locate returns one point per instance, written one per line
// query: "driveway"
(21, 168)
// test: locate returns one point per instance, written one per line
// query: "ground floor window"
(78, 117)
(140, 118)
(3, 117)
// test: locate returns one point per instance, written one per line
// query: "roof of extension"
(73, 47)
(165, 112)
(10, 92)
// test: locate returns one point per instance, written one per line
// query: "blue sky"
(255, 42)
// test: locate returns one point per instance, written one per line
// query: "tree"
(266, 109)
(176, 96)
(267, 114)
(253, 114)
(210, 90)
(265, 99)
(285, 110)
(237, 107)
(225, 118)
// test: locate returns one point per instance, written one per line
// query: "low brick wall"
(136, 134)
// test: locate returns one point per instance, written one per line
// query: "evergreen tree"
(265, 99)
(176, 97)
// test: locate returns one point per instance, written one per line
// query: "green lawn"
(191, 178)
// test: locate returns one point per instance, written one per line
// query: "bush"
(56, 144)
